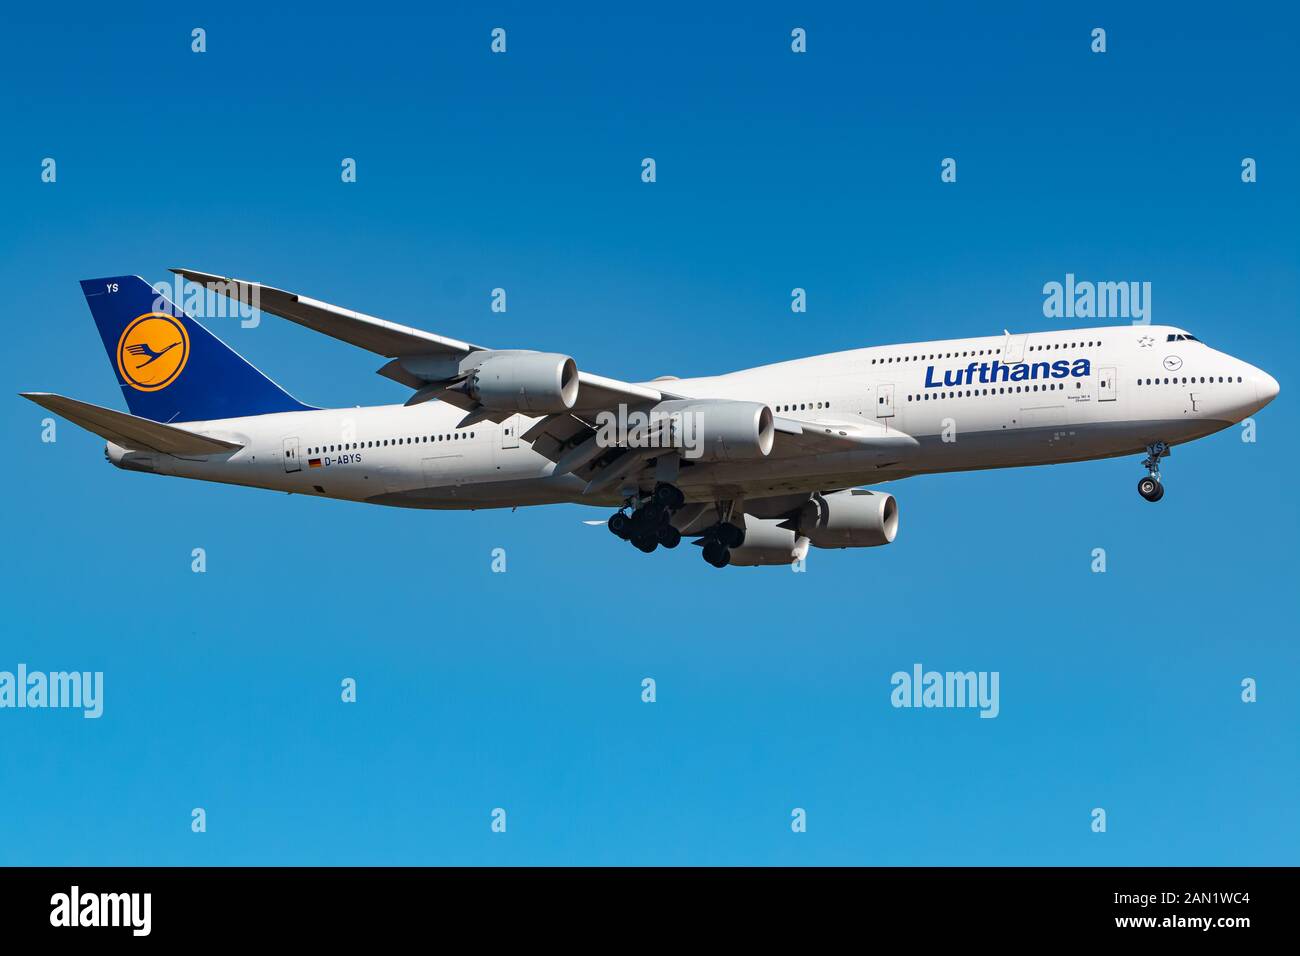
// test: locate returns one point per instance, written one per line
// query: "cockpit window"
(1181, 337)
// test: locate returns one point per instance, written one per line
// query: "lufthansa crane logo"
(152, 351)
(1173, 363)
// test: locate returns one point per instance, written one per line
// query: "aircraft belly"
(506, 493)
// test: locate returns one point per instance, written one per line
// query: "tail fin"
(170, 367)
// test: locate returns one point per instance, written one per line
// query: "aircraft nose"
(1266, 387)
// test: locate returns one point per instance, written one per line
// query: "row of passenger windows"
(801, 407)
(979, 392)
(936, 355)
(975, 353)
(1065, 345)
(1185, 380)
(385, 442)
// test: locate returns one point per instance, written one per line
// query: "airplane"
(756, 466)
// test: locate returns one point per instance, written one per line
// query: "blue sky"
(522, 690)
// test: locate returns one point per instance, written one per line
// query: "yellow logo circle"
(152, 351)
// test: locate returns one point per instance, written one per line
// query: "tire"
(620, 525)
(669, 536)
(716, 553)
(1160, 492)
(1150, 489)
(731, 536)
(646, 543)
(667, 496)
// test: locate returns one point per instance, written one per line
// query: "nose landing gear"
(1150, 487)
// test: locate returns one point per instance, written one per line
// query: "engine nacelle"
(720, 430)
(766, 542)
(534, 382)
(850, 519)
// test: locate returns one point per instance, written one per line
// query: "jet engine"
(540, 383)
(850, 519)
(720, 430)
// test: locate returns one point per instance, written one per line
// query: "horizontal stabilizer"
(130, 431)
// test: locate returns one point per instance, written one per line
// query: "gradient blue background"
(522, 690)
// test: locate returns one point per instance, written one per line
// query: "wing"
(355, 328)
(431, 364)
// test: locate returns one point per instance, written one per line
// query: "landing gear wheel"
(620, 524)
(1150, 489)
(731, 536)
(669, 536)
(716, 553)
(669, 497)
(646, 543)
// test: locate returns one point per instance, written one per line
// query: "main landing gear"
(1150, 487)
(718, 542)
(650, 525)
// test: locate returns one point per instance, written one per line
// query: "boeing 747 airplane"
(756, 465)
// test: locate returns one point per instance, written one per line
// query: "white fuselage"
(992, 402)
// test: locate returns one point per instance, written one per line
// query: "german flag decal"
(313, 462)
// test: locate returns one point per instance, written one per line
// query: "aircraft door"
(1013, 349)
(510, 432)
(1106, 385)
(885, 400)
(291, 460)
